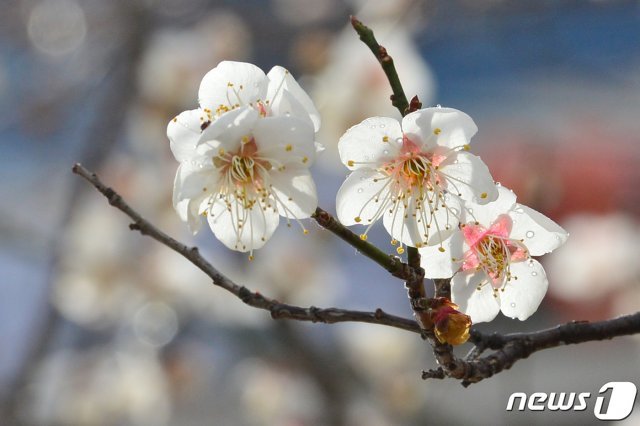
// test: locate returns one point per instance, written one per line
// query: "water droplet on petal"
(530, 234)
(382, 126)
(519, 210)
(438, 106)
(360, 190)
(513, 305)
(386, 152)
(531, 264)
(534, 273)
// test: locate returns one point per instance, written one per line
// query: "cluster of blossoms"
(245, 154)
(433, 194)
(244, 157)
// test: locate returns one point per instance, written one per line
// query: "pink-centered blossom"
(489, 258)
(414, 175)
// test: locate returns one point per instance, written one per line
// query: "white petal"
(481, 305)
(242, 229)
(374, 141)
(468, 176)
(188, 212)
(522, 296)
(446, 127)
(281, 81)
(540, 234)
(226, 132)
(296, 192)
(356, 197)
(430, 224)
(443, 264)
(184, 132)
(285, 140)
(192, 181)
(232, 83)
(486, 214)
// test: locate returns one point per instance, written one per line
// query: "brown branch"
(391, 263)
(277, 309)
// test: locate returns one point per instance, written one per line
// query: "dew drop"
(534, 273)
(530, 234)
(360, 190)
(386, 152)
(382, 126)
(530, 264)
(438, 106)
(519, 210)
(513, 305)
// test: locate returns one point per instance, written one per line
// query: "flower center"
(492, 251)
(242, 169)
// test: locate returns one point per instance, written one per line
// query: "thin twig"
(277, 309)
(391, 263)
(398, 98)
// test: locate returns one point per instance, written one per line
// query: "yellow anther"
(400, 250)
(350, 163)
(358, 219)
(483, 195)
(363, 237)
(305, 159)
(221, 152)
(385, 139)
(394, 242)
(250, 257)
(229, 84)
(437, 131)
(305, 231)
(288, 148)
(441, 249)
(466, 147)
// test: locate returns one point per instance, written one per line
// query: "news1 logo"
(614, 401)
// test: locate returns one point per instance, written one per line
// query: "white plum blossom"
(244, 155)
(414, 175)
(489, 258)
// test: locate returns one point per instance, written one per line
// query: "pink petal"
(501, 227)
(473, 234)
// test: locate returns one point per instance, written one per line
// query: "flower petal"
(192, 181)
(281, 81)
(296, 192)
(232, 84)
(242, 229)
(474, 297)
(468, 176)
(430, 224)
(540, 234)
(226, 132)
(443, 264)
(522, 296)
(356, 197)
(184, 132)
(285, 140)
(488, 213)
(446, 127)
(371, 143)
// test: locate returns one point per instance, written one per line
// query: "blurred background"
(100, 326)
